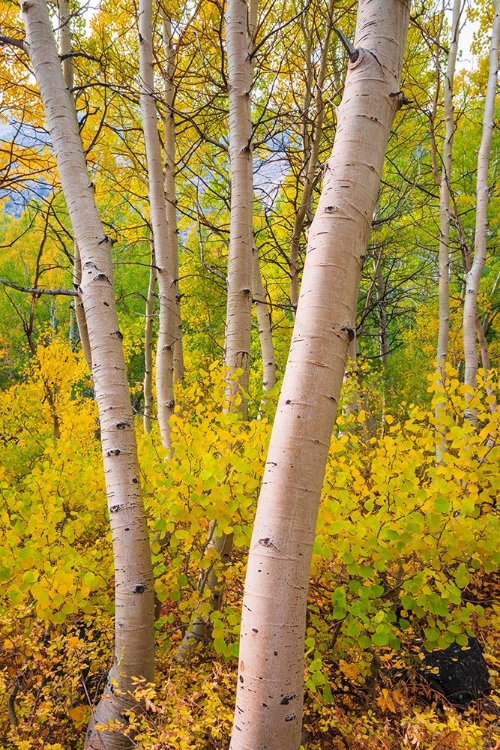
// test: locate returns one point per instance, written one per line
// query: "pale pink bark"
(473, 276)
(167, 296)
(270, 682)
(133, 572)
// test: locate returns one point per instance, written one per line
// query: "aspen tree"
(170, 198)
(268, 712)
(473, 275)
(242, 273)
(147, 386)
(240, 23)
(444, 213)
(258, 291)
(158, 212)
(239, 269)
(264, 324)
(134, 642)
(65, 48)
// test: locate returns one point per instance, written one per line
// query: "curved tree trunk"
(473, 276)
(271, 668)
(158, 212)
(133, 573)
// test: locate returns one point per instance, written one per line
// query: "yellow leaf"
(79, 714)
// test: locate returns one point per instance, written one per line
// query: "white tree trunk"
(133, 573)
(270, 682)
(444, 194)
(239, 271)
(264, 324)
(147, 385)
(445, 219)
(239, 23)
(473, 276)
(258, 291)
(158, 213)
(65, 49)
(173, 250)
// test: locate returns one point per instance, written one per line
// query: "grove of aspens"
(249, 332)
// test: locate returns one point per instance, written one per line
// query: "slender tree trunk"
(81, 320)
(264, 324)
(65, 48)
(173, 249)
(473, 275)
(133, 572)
(444, 217)
(311, 153)
(239, 271)
(270, 682)
(383, 327)
(158, 211)
(258, 291)
(240, 22)
(148, 344)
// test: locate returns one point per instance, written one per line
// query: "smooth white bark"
(147, 385)
(259, 295)
(167, 296)
(473, 276)
(239, 269)
(65, 49)
(264, 324)
(269, 698)
(133, 572)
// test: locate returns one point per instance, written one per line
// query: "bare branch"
(29, 290)
(349, 48)
(20, 43)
